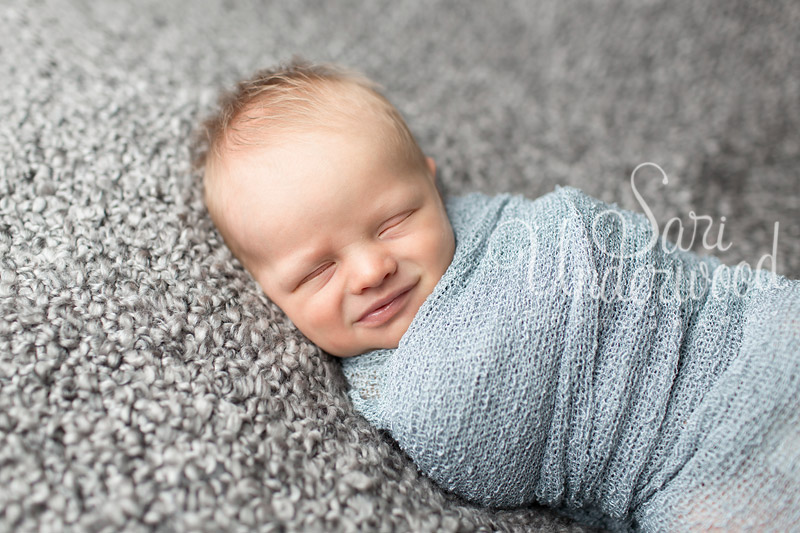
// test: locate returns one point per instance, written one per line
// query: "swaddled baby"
(518, 350)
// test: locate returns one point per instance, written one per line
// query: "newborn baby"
(519, 351)
(319, 189)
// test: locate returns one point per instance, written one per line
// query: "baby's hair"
(289, 96)
(293, 97)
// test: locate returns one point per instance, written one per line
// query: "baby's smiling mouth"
(386, 308)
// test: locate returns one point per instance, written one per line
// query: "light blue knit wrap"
(565, 359)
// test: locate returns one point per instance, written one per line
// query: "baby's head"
(318, 187)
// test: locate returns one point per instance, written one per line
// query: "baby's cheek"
(430, 250)
(326, 320)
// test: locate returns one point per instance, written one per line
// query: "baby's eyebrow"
(297, 266)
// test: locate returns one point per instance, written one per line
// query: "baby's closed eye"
(317, 273)
(393, 227)
(394, 224)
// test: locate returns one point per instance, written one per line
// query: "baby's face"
(341, 234)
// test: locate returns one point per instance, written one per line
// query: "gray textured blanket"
(567, 358)
(145, 382)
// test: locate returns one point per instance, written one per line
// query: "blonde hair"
(292, 97)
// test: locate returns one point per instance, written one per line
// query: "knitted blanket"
(567, 358)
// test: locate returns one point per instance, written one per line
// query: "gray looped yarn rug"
(147, 385)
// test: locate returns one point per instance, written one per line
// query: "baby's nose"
(370, 268)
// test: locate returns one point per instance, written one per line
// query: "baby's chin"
(389, 344)
(386, 340)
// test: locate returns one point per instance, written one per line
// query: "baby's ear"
(431, 166)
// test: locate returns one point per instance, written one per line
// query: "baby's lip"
(383, 301)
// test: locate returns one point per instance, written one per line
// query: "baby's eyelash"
(315, 273)
(394, 221)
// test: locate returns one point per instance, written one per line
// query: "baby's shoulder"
(471, 212)
(561, 194)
